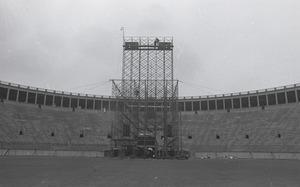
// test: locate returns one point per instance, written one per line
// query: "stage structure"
(146, 118)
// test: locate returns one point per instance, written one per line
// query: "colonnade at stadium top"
(257, 98)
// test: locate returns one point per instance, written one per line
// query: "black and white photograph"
(150, 93)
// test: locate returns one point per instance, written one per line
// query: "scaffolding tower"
(146, 117)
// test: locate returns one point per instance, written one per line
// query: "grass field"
(62, 171)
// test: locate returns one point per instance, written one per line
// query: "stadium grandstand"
(253, 124)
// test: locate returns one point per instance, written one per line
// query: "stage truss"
(146, 98)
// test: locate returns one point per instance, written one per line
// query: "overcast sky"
(221, 46)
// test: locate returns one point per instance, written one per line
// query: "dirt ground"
(70, 171)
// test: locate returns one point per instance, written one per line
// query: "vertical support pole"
(36, 94)
(45, 95)
(193, 101)
(94, 101)
(62, 101)
(165, 114)
(53, 101)
(7, 95)
(285, 95)
(70, 99)
(26, 99)
(267, 100)
(85, 103)
(17, 99)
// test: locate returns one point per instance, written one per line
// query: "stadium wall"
(258, 98)
(64, 131)
(273, 129)
(247, 123)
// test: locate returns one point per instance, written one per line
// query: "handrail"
(181, 97)
(53, 91)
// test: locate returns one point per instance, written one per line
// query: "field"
(70, 171)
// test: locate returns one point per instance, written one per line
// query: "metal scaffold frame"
(146, 119)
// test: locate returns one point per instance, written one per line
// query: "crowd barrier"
(8, 152)
(246, 155)
(198, 155)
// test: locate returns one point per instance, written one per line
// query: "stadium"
(80, 132)
(39, 123)
(146, 132)
(145, 117)
(254, 124)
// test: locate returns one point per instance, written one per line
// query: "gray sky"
(222, 46)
